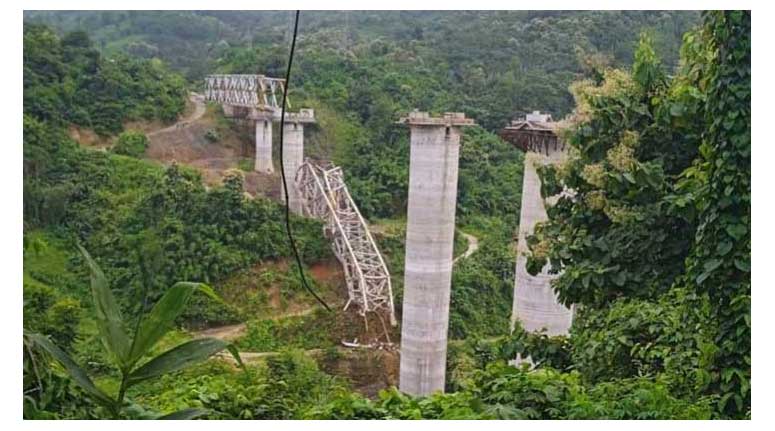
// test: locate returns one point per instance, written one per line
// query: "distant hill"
(193, 41)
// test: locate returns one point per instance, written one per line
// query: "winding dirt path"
(232, 332)
(199, 112)
(473, 245)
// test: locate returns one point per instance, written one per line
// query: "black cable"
(282, 169)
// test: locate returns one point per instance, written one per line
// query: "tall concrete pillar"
(535, 304)
(293, 157)
(433, 169)
(264, 146)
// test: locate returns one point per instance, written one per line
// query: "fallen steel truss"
(325, 197)
(248, 91)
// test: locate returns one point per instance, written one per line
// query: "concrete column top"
(448, 119)
(260, 114)
(303, 116)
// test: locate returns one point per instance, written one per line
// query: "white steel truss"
(248, 91)
(325, 197)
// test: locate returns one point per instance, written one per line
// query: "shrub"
(48, 312)
(131, 143)
(541, 349)
(636, 337)
(212, 135)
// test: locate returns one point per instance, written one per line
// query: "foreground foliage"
(126, 353)
(502, 391)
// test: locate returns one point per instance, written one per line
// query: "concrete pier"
(433, 171)
(263, 161)
(535, 303)
(293, 152)
(293, 157)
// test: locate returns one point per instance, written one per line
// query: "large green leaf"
(75, 371)
(179, 357)
(109, 321)
(162, 317)
(184, 414)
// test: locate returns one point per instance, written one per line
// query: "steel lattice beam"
(326, 197)
(247, 91)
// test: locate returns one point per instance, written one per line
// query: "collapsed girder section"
(325, 196)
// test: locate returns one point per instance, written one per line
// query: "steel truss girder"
(248, 91)
(326, 197)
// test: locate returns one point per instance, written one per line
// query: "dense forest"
(653, 247)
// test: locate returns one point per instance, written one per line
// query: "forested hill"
(494, 64)
(362, 70)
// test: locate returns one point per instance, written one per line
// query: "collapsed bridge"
(314, 190)
(326, 197)
(319, 191)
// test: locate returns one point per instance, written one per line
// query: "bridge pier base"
(430, 228)
(535, 303)
(293, 158)
(263, 161)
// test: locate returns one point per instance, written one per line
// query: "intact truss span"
(325, 196)
(247, 91)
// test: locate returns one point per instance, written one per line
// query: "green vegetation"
(316, 331)
(482, 286)
(283, 387)
(131, 143)
(67, 81)
(504, 392)
(125, 352)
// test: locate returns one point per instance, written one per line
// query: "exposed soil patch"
(270, 289)
(327, 271)
(186, 142)
(88, 138)
(368, 370)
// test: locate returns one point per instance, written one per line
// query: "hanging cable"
(282, 169)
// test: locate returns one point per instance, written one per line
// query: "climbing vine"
(720, 262)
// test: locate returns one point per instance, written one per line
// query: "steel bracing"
(248, 91)
(325, 197)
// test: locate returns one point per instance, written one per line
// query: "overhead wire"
(288, 229)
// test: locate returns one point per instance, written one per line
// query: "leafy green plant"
(126, 353)
(660, 169)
